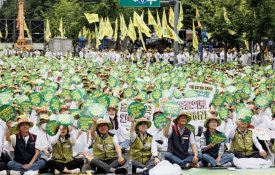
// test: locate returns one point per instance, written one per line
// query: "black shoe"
(121, 170)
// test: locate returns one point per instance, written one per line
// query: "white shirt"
(121, 133)
(13, 141)
(191, 137)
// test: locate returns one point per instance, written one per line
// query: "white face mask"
(112, 116)
(75, 123)
(68, 104)
(43, 126)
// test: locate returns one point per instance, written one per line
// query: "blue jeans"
(12, 165)
(206, 158)
(181, 162)
(125, 144)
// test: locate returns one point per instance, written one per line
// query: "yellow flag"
(171, 17)
(101, 30)
(141, 39)
(131, 31)
(123, 28)
(157, 27)
(60, 29)
(97, 40)
(116, 29)
(48, 33)
(225, 15)
(198, 16)
(151, 20)
(164, 25)
(195, 39)
(27, 30)
(172, 35)
(91, 17)
(6, 29)
(180, 25)
(141, 25)
(109, 30)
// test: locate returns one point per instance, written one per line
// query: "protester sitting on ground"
(243, 140)
(118, 130)
(62, 160)
(143, 152)
(157, 133)
(4, 156)
(105, 147)
(44, 138)
(180, 139)
(213, 153)
(26, 147)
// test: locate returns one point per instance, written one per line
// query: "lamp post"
(176, 19)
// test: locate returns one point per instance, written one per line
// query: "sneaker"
(31, 172)
(75, 171)
(56, 172)
(121, 170)
(139, 170)
(4, 172)
(112, 170)
(12, 172)
(228, 164)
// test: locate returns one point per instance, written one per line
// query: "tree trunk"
(225, 52)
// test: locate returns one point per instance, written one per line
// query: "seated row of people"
(107, 150)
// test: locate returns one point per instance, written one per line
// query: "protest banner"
(204, 90)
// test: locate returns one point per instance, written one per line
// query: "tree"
(70, 12)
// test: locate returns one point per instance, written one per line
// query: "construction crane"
(22, 42)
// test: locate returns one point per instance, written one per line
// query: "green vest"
(63, 152)
(104, 148)
(273, 147)
(243, 144)
(141, 150)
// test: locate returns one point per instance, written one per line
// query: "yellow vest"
(141, 150)
(104, 149)
(243, 144)
(63, 152)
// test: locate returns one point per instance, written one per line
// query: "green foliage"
(249, 19)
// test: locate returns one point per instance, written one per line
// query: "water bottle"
(130, 167)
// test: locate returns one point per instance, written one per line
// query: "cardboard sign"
(136, 109)
(103, 99)
(123, 112)
(7, 113)
(26, 106)
(5, 98)
(223, 113)
(76, 95)
(52, 127)
(171, 108)
(97, 109)
(217, 138)
(65, 119)
(84, 123)
(65, 93)
(205, 90)
(262, 101)
(156, 94)
(55, 104)
(36, 98)
(160, 121)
